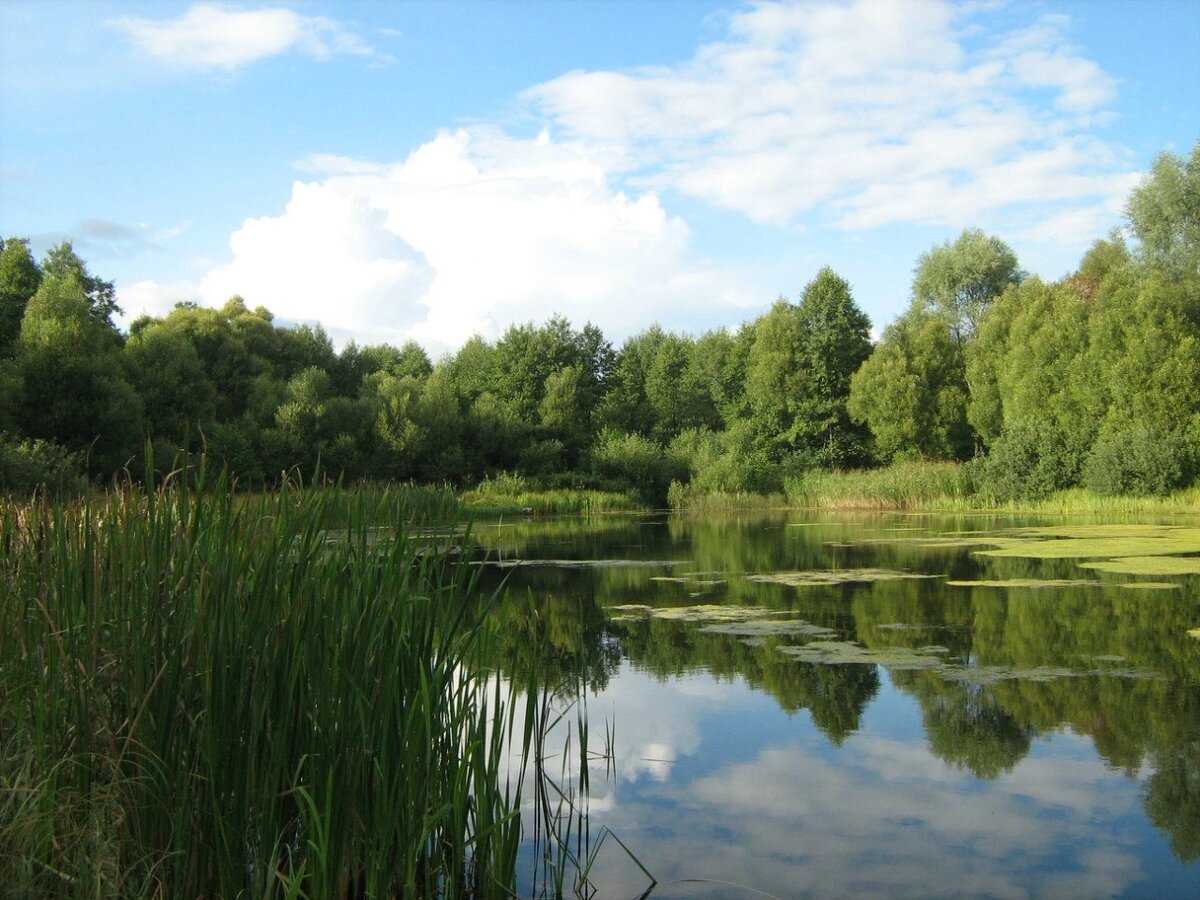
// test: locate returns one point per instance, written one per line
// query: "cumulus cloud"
(216, 36)
(865, 113)
(473, 231)
(151, 298)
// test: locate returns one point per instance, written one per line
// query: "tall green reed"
(204, 694)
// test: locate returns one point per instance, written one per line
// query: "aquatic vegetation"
(760, 628)
(835, 576)
(691, 578)
(851, 652)
(1148, 565)
(700, 613)
(582, 563)
(1150, 585)
(202, 695)
(932, 658)
(1027, 583)
(1104, 541)
(1194, 632)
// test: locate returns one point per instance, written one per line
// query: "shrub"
(727, 463)
(1139, 461)
(636, 463)
(1029, 461)
(26, 465)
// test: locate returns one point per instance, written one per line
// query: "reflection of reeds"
(205, 695)
(557, 728)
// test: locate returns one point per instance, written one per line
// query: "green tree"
(625, 406)
(1164, 214)
(73, 390)
(62, 261)
(960, 279)
(19, 280)
(912, 393)
(836, 342)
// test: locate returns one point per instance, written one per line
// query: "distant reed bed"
(211, 695)
(900, 486)
(508, 494)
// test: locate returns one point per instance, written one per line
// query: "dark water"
(889, 738)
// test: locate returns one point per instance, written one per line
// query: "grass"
(684, 500)
(202, 695)
(947, 486)
(901, 486)
(513, 495)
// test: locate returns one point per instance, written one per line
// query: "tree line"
(1093, 379)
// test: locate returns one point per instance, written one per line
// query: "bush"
(636, 463)
(26, 465)
(1029, 461)
(1139, 461)
(727, 463)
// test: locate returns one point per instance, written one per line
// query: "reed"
(900, 486)
(211, 695)
(507, 494)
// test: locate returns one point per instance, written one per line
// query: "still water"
(892, 705)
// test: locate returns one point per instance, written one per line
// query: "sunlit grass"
(513, 495)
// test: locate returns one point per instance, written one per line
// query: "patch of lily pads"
(762, 628)
(835, 577)
(754, 622)
(706, 612)
(931, 658)
(851, 652)
(1028, 583)
(1148, 565)
(1083, 541)
(583, 563)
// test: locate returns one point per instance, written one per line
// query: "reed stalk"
(205, 694)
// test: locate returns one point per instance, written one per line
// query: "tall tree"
(19, 280)
(1164, 213)
(960, 279)
(911, 392)
(74, 391)
(62, 261)
(837, 340)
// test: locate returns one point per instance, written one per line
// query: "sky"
(433, 170)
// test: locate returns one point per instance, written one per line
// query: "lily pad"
(759, 628)
(700, 613)
(929, 659)
(835, 576)
(1084, 541)
(1151, 585)
(1028, 583)
(583, 563)
(850, 652)
(1148, 565)
(1195, 632)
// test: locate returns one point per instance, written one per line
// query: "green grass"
(947, 486)
(210, 695)
(512, 494)
(901, 486)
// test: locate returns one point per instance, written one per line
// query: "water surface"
(869, 705)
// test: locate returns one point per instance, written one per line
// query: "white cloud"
(865, 113)
(217, 36)
(151, 298)
(475, 230)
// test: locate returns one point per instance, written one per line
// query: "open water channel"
(892, 705)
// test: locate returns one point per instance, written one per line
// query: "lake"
(895, 705)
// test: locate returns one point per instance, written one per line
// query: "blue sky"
(437, 169)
